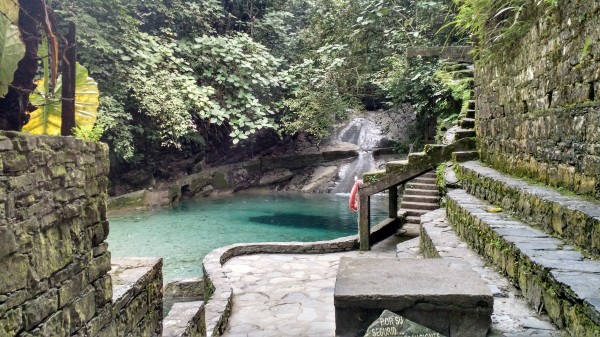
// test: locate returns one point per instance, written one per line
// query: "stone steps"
(573, 219)
(462, 156)
(416, 191)
(430, 199)
(413, 219)
(420, 196)
(512, 315)
(464, 133)
(421, 186)
(428, 206)
(467, 123)
(470, 113)
(424, 180)
(552, 274)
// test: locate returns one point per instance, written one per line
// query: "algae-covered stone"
(56, 325)
(52, 250)
(5, 144)
(39, 308)
(276, 176)
(18, 265)
(82, 310)
(373, 176)
(11, 323)
(8, 242)
(219, 180)
(127, 201)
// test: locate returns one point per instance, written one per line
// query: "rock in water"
(392, 325)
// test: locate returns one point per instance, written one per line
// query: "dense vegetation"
(192, 75)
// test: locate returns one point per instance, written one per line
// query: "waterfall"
(365, 133)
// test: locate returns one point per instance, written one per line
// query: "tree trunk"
(15, 106)
(68, 84)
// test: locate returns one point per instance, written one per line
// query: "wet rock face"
(367, 135)
(537, 105)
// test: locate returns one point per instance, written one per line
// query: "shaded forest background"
(195, 79)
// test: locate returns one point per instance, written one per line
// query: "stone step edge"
(433, 199)
(185, 319)
(545, 282)
(419, 192)
(218, 291)
(543, 206)
(438, 240)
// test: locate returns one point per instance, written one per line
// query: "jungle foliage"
(189, 75)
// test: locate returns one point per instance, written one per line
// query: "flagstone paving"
(292, 295)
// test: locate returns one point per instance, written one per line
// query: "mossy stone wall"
(538, 101)
(54, 260)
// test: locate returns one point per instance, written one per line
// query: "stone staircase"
(547, 244)
(420, 196)
(466, 123)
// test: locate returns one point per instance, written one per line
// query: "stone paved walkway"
(293, 299)
(287, 294)
(292, 295)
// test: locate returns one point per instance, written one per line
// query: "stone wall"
(538, 110)
(54, 262)
(137, 297)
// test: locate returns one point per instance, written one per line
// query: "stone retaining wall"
(53, 258)
(538, 111)
(52, 228)
(572, 219)
(137, 297)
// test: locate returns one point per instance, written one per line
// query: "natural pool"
(183, 235)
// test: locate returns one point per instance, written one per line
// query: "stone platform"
(444, 295)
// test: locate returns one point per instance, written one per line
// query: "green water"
(183, 235)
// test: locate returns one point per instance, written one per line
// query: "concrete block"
(445, 296)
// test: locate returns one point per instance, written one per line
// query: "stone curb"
(568, 217)
(552, 275)
(185, 319)
(218, 290)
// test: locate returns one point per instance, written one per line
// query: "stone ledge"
(137, 295)
(552, 275)
(185, 319)
(184, 288)
(218, 292)
(443, 295)
(570, 218)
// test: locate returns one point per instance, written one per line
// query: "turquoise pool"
(183, 235)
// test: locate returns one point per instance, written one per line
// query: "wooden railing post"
(364, 223)
(393, 202)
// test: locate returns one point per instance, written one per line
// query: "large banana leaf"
(46, 120)
(12, 48)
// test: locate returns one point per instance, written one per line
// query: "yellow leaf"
(46, 119)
